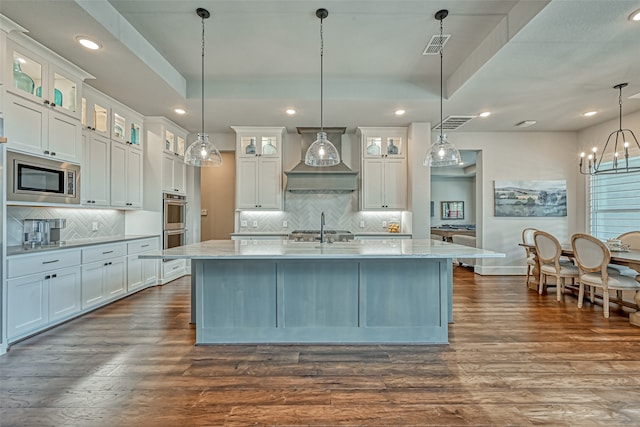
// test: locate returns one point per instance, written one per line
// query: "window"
(614, 203)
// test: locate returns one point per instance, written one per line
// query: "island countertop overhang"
(283, 249)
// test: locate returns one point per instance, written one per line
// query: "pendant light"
(442, 152)
(322, 152)
(608, 161)
(202, 152)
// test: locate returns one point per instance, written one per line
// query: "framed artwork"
(530, 198)
(452, 210)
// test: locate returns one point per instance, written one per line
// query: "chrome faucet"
(322, 227)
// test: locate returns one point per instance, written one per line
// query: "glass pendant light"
(442, 152)
(202, 152)
(322, 152)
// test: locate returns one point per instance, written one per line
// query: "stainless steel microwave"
(39, 180)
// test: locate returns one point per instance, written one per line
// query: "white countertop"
(285, 249)
(73, 244)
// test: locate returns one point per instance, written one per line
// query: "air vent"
(436, 43)
(453, 122)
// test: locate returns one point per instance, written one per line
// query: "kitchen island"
(278, 291)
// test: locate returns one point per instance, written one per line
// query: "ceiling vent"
(436, 43)
(453, 122)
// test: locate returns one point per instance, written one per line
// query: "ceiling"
(542, 60)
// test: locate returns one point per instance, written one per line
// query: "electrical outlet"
(384, 224)
(254, 224)
(285, 224)
(94, 226)
(204, 212)
(361, 224)
(243, 223)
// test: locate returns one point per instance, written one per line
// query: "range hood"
(329, 179)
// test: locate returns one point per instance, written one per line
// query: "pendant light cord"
(441, 60)
(620, 102)
(202, 82)
(321, 74)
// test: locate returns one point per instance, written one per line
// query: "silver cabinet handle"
(50, 262)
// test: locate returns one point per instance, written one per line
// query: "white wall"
(522, 156)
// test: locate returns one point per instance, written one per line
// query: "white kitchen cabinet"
(384, 168)
(174, 174)
(259, 168)
(42, 290)
(126, 126)
(96, 111)
(95, 169)
(141, 272)
(165, 170)
(41, 106)
(103, 273)
(126, 175)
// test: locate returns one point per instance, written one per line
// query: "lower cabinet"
(37, 300)
(49, 288)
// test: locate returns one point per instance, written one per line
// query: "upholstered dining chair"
(548, 251)
(631, 239)
(592, 257)
(527, 239)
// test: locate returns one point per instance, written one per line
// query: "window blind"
(615, 203)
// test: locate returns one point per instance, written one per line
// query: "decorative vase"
(251, 148)
(22, 80)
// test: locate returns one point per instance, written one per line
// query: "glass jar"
(251, 148)
(392, 148)
(22, 80)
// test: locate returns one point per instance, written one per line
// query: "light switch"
(255, 224)
(243, 223)
(384, 224)
(204, 212)
(285, 224)
(361, 224)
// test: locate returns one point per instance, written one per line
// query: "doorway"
(217, 199)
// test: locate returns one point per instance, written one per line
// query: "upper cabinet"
(384, 168)
(42, 108)
(96, 112)
(126, 125)
(174, 141)
(259, 167)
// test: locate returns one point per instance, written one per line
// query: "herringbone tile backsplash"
(302, 212)
(110, 222)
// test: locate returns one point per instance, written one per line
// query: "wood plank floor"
(515, 358)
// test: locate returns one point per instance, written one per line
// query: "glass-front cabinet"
(384, 168)
(42, 81)
(126, 125)
(259, 143)
(96, 111)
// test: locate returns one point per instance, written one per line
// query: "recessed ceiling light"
(485, 114)
(88, 43)
(290, 111)
(400, 112)
(590, 113)
(180, 111)
(526, 123)
(635, 16)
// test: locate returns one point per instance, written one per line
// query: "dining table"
(629, 258)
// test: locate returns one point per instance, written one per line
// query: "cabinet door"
(65, 137)
(134, 273)
(134, 177)
(27, 304)
(25, 125)
(115, 283)
(63, 92)
(373, 184)
(95, 170)
(65, 294)
(246, 182)
(150, 271)
(167, 172)
(118, 170)
(92, 284)
(395, 184)
(179, 175)
(270, 184)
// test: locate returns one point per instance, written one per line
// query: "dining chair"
(527, 239)
(592, 257)
(632, 240)
(548, 251)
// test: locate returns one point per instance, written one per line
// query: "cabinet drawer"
(53, 260)
(102, 252)
(142, 246)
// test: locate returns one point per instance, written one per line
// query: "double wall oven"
(175, 220)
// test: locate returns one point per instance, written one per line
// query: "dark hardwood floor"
(515, 358)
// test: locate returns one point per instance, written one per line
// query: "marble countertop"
(73, 244)
(285, 249)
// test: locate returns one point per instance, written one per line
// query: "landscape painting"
(530, 198)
